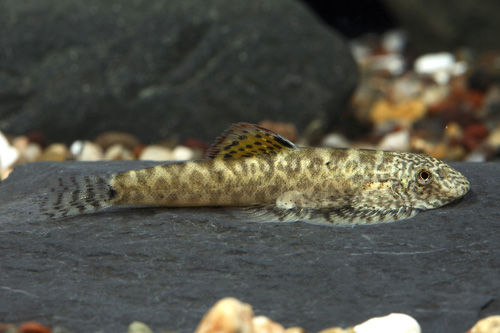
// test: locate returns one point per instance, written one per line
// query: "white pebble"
(396, 141)
(182, 153)
(76, 148)
(90, 152)
(393, 323)
(432, 63)
(156, 153)
(476, 156)
(335, 140)
(8, 154)
(441, 66)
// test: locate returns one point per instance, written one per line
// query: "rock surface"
(166, 267)
(447, 25)
(166, 68)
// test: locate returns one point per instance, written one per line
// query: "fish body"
(252, 167)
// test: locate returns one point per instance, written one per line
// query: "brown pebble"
(194, 143)
(36, 137)
(287, 130)
(33, 327)
(108, 139)
(474, 135)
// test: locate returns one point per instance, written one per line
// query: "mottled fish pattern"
(273, 180)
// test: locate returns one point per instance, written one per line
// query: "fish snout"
(460, 186)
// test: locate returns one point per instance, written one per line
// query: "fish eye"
(424, 177)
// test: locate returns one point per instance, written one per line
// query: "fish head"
(433, 183)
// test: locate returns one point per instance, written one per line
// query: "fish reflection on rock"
(274, 180)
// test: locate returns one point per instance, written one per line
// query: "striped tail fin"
(74, 195)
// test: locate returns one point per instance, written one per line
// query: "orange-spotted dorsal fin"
(247, 140)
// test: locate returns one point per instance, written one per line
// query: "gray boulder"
(161, 68)
(166, 267)
(439, 25)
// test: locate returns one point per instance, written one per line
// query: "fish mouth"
(454, 202)
(461, 190)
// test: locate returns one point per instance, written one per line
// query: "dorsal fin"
(247, 140)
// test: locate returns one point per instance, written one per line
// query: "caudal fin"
(73, 195)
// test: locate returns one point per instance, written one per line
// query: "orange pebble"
(33, 327)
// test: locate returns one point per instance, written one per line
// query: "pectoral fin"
(340, 216)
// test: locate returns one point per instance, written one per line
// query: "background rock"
(447, 25)
(167, 267)
(166, 68)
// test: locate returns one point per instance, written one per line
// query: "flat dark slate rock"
(167, 267)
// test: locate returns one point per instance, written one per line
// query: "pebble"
(453, 131)
(396, 141)
(138, 327)
(456, 153)
(433, 62)
(57, 152)
(287, 130)
(393, 323)
(90, 152)
(405, 112)
(31, 153)
(335, 140)
(33, 327)
(182, 153)
(3, 175)
(474, 135)
(8, 154)
(111, 138)
(118, 152)
(487, 325)
(7, 328)
(439, 151)
(76, 147)
(478, 155)
(440, 66)
(494, 138)
(227, 316)
(156, 153)
(262, 324)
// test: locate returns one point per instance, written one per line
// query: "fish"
(271, 179)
